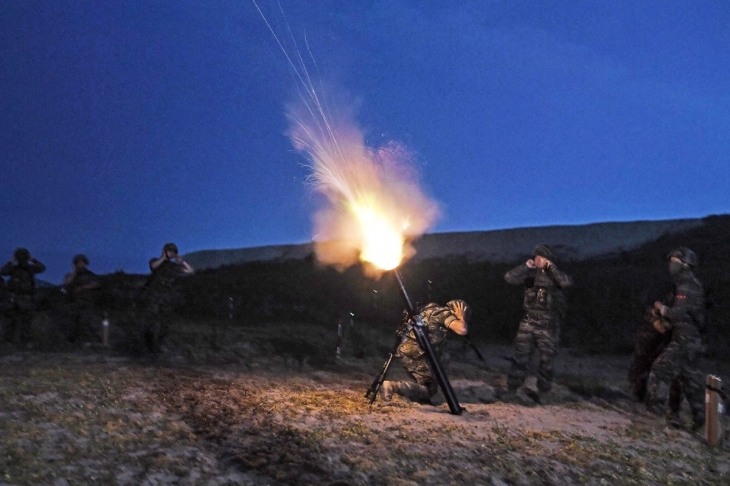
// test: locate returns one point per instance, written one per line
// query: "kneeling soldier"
(438, 321)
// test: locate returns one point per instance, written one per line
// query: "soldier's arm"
(69, 278)
(561, 278)
(518, 274)
(687, 297)
(156, 262)
(37, 266)
(7, 269)
(458, 326)
(186, 267)
(456, 323)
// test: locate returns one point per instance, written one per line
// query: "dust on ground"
(253, 409)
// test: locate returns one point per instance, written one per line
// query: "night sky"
(124, 125)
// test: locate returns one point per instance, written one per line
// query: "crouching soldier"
(439, 321)
(20, 289)
(676, 367)
(648, 345)
(544, 306)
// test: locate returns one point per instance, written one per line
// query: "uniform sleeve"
(7, 269)
(561, 278)
(688, 300)
(441, 317)
(518, 274)
(37, 267)
(448, 319)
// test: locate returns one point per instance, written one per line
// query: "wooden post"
(714, 411)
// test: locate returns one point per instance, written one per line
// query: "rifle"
(372, 392)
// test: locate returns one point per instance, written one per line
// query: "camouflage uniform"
(436, 320)
(676, 367)
(648, 345)
(540, 327)
(82, 305)
(20, 290)
(160, 299)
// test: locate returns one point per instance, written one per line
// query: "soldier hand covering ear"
(460, 308)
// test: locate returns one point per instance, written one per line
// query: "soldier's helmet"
(170, 247)
(22, 255)
(452, 305)
(80, 258)
(686, 255)
(544, 251)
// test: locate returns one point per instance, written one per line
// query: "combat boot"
(518, 396)
(551, 398)
(386, 390)
(414, 392)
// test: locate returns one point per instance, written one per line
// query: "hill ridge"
(572, 242)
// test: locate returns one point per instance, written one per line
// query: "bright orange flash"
(382, 242)
(375, 205)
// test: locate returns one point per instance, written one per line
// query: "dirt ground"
(273, 406)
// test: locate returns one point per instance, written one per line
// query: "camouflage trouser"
(20, 316)
(156, 321)
(415, 363)
(541, 331)
(84, 322)
(675, 375)
(649, 343)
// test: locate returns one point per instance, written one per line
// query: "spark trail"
(376, 206)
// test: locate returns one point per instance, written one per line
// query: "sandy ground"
(246, 414)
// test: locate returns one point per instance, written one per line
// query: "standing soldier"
(20, 288)
(80, 285)
(439, 321)
(544, 306)
(676, 366)
(161, 294)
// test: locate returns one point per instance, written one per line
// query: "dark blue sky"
(124, 125)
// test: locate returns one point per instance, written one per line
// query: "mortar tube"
(425, 344)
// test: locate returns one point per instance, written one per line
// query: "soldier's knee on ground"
(414, 391)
